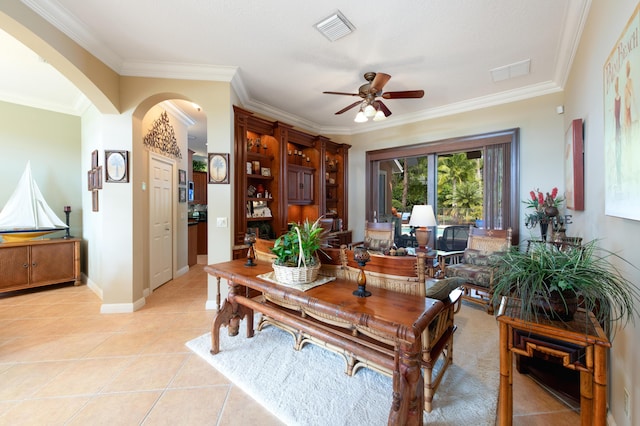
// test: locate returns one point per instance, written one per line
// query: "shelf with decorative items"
(280, 178)
(259, 181)
(256, 180)
(300, 186)
(335, 183)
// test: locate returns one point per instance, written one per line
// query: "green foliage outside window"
(460, 187)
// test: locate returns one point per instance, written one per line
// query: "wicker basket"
(296, 274)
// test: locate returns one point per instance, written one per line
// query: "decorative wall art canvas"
(622, 124)
(574, 166)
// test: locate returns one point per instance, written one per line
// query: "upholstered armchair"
(477, 263)
(378, 236)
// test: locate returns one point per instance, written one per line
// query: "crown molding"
(179, 71)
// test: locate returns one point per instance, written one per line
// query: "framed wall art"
(116, 166)
(182, 177)
(218, 168)
(574, 166)
(622, 124)
(182, 194)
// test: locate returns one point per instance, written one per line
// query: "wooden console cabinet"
(38, 263)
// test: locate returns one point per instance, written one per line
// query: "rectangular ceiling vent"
(506, 72)
(335, 26)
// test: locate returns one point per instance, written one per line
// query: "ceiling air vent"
(506, 72)
(335, 26)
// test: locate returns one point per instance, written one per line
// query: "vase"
(544, 225)
(558, 306)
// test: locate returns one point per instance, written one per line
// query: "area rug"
(309, 387)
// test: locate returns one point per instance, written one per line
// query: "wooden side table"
(580, 344)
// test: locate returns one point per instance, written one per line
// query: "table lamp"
(422, 218)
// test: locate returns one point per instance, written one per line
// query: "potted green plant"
(551, 283)
(296, 261)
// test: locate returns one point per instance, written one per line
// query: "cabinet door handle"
(34, 264)
(26, 265)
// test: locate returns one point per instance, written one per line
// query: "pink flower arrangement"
(538, 201)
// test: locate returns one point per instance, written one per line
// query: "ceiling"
(279, 64)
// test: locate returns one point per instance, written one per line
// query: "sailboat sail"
(27, 210)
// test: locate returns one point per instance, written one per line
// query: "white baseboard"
(92, 286)
(122, 308)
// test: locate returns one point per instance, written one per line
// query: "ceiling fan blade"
(379, 81)
(383, 108)
(403, 94)
(342, 93)
(349, 107)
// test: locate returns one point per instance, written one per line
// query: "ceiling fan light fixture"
(369, 111)
(379, 116)
(361, 117)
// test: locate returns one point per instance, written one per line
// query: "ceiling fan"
(369, 105)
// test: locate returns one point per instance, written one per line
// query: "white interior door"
(160, 218)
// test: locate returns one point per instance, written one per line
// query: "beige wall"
(584, 99)
(51, 142)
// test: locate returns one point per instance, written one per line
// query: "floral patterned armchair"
(476, 264)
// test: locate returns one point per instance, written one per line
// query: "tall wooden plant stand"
(580, 344)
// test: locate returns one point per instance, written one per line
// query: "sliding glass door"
(470, 180)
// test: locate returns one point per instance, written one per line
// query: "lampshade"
(369, 111)
(379, 116)
(360, 117)
(422, 216)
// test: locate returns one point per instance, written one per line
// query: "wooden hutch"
(284, 175)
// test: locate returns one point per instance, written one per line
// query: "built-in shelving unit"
(280, 176)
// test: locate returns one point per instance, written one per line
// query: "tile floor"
(62, 362)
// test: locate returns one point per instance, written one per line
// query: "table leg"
(408, 387)
(230, 315)
(217, 294)
(505, 398)
(600, 386)
(586, 398)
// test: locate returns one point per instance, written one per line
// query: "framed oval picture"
(218, 168)
(116, 166)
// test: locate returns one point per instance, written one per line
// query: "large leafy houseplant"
(584, 275)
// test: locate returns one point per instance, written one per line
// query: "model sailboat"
(27, 215)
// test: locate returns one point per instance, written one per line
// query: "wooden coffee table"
(386, 316)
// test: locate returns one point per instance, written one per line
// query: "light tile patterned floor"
(62, 362)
